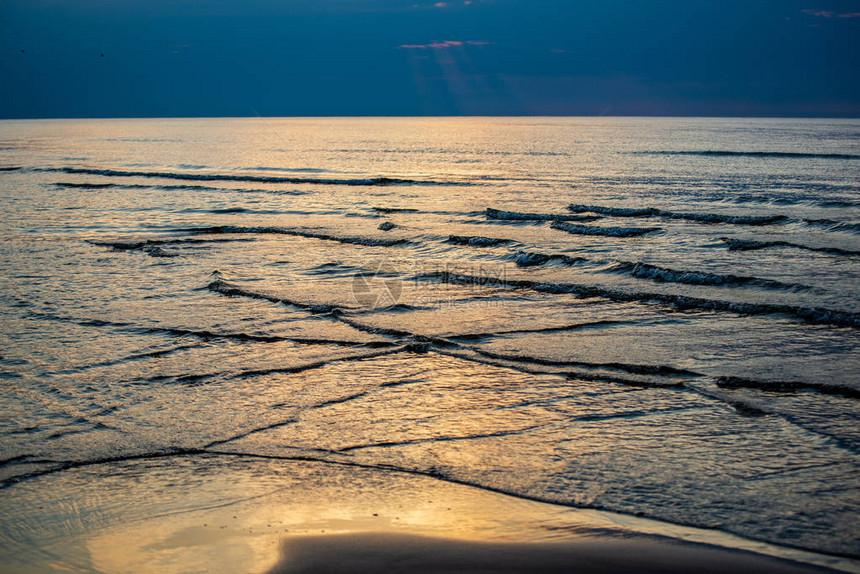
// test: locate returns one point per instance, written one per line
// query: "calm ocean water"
(653, 316)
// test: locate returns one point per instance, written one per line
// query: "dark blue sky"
(134, 58)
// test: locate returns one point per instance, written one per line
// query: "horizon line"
(462, 116)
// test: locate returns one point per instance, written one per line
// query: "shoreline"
(202, 514)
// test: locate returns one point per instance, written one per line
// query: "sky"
(217, 58)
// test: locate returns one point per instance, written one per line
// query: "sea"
(656, 317)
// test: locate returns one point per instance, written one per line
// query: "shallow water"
(655, 317)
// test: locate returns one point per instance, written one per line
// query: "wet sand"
(375, 553)
(235, 514)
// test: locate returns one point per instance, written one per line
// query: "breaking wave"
(520, 216)
(771, 200)
(604, 231)
(151, 248)
(288, 169)
(789, 386)
(655, 273)
(394, 210)
(235, 229)
(372, 181)
(681, 302)
(187, 187)
(223, 288)
(773, 154)
(752, 245)
(154, 247)
(533, 259)
(831, 225)
(665, 275)
(477, 241)
(699, 217)
(86, 185)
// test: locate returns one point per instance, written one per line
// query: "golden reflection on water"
(237, 521)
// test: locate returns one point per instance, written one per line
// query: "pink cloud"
(441, 4)
(850, 15)
(443, 45)
(819, 13)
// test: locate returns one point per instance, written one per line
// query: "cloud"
(830, 14)
(443, 45)
(819, 13)
(445, 4)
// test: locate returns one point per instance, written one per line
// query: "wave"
(665, 275)
(235, 229)
(443, 150)
(477, 241)
(774, 154)
(223, 288)
(837, 203)
(333, 311)
(176, 188)
(615, 211)
(202, 334)
(655, 273)
(197, 379)
(699, 217)
(13, 168)
(532, 259)
(831, 225)
(743, 406)
(394, 210)
(483, 336)
(206, 335)
(735, 219)
(789, 386)
(228, 210)
(285, 169)
(333, 268)
(372, 181)
(604, 231)
(805, 201)
(235, 210)
(151, 248)
(572, 369)
(681, 302)
(752, 245)
(520, 216)
(86, 185)
(337, 268)
(631, 368)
